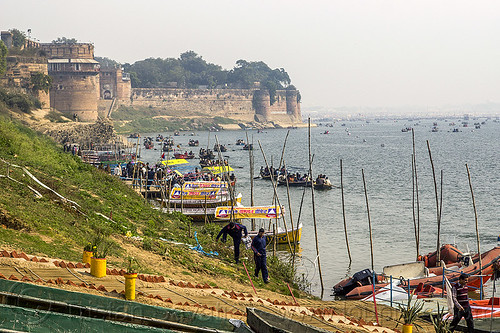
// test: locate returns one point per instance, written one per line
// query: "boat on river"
(193, 143)
(358, 288)
(220, 148)
(282, 236)
(266, 322)
(185, 155)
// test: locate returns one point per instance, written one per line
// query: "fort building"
(75, 79)
(114, 83)
(246, 105)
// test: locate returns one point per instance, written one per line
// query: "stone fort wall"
(241, 104)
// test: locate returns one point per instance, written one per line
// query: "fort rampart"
(241, 104)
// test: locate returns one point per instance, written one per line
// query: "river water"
(383, 151)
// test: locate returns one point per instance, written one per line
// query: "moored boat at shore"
(265, 322)
(434, 277)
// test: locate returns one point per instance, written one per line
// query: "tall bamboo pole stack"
(314, 209)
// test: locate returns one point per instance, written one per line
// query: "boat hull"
(490, 259)
(282, 237)
(265, 322)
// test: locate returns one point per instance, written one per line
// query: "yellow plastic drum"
(130, 286)
(407, 328)
(86, 257)
(98, 267)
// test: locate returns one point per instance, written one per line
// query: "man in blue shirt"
(259, 250)
(234, 230)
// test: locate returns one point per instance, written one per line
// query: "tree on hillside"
(18, 37)
(64, 40)
(3, 58)
(40, 82)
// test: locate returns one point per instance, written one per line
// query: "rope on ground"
(220, 299)
(29, 269)
(172, 291)
(321, 321)
(200, 249)
(77, 276)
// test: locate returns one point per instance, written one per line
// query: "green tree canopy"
(190, 70)
(64, 40)
(18, 37)
(40, 82)
(3, 58)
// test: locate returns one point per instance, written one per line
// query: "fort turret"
(261, 103)
(75, 79)
(293, 104)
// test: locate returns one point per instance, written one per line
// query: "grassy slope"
(146, 120)
(50, 227)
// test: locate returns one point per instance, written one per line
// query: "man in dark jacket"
(461, 304)
(259, 250)
(234, 230)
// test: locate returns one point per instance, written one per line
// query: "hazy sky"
(338, 53)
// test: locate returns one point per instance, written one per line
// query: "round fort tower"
(75, 79)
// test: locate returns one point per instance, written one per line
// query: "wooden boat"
(265, 322)
(197, 208)
(220, 148)
(282, 236)
(298, 183)
(193, 143)
(490, 263)
(323, 186)
(186, 156)
(248, 146)
(206, 154)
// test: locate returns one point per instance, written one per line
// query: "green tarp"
(31, 320)
(115, 305)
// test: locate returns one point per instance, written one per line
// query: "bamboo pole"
(416, 191)
(298, 222)
(475, 218)
(343, 211)
(369, 220)
(313, 207)
(274, 239)
(205, 209)
(438, 213)
(413, 203)
(250, 157)
(226, 176)
(275, 197)
(294, 234)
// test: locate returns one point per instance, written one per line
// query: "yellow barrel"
(130, 286)
(407, 328)
(86, 257)
(98, 267)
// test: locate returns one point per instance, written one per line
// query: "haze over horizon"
(366, 54)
